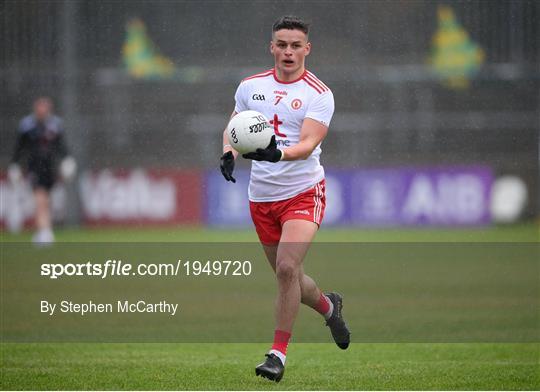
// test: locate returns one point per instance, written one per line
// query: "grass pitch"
(309, 367)
(514, 233)
(220, 366)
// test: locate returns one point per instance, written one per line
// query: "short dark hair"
(291, 22)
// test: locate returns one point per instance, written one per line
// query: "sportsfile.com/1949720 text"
(119, 268)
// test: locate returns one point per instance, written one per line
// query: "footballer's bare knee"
(287, 271)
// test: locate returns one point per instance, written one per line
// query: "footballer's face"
(42, 108)
(290, 48)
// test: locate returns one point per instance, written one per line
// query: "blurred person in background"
(287, 185)
(40, 146)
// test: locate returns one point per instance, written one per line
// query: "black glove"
(226, 164)
(270, 153)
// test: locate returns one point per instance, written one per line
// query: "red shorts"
(269, 217)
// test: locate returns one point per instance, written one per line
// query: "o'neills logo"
(280, 92)
(302, 212)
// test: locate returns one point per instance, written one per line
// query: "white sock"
(328, 314)
(43, 236)
(279, 354)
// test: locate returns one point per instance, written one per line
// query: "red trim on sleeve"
(317, 82)
(315, 87)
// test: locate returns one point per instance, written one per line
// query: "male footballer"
(287, 186)
(40, 144)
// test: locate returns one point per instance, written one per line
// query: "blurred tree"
(455, 57)
(141, 57)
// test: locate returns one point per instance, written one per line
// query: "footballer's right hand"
(14, 173)
(226, 164)
(68, 168)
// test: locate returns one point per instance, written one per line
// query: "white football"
(248, 131)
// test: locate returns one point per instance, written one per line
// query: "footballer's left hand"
(14, 173)
(269, 154)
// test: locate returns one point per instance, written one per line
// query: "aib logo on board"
(296, 104)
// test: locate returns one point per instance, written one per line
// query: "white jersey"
(286, 105)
